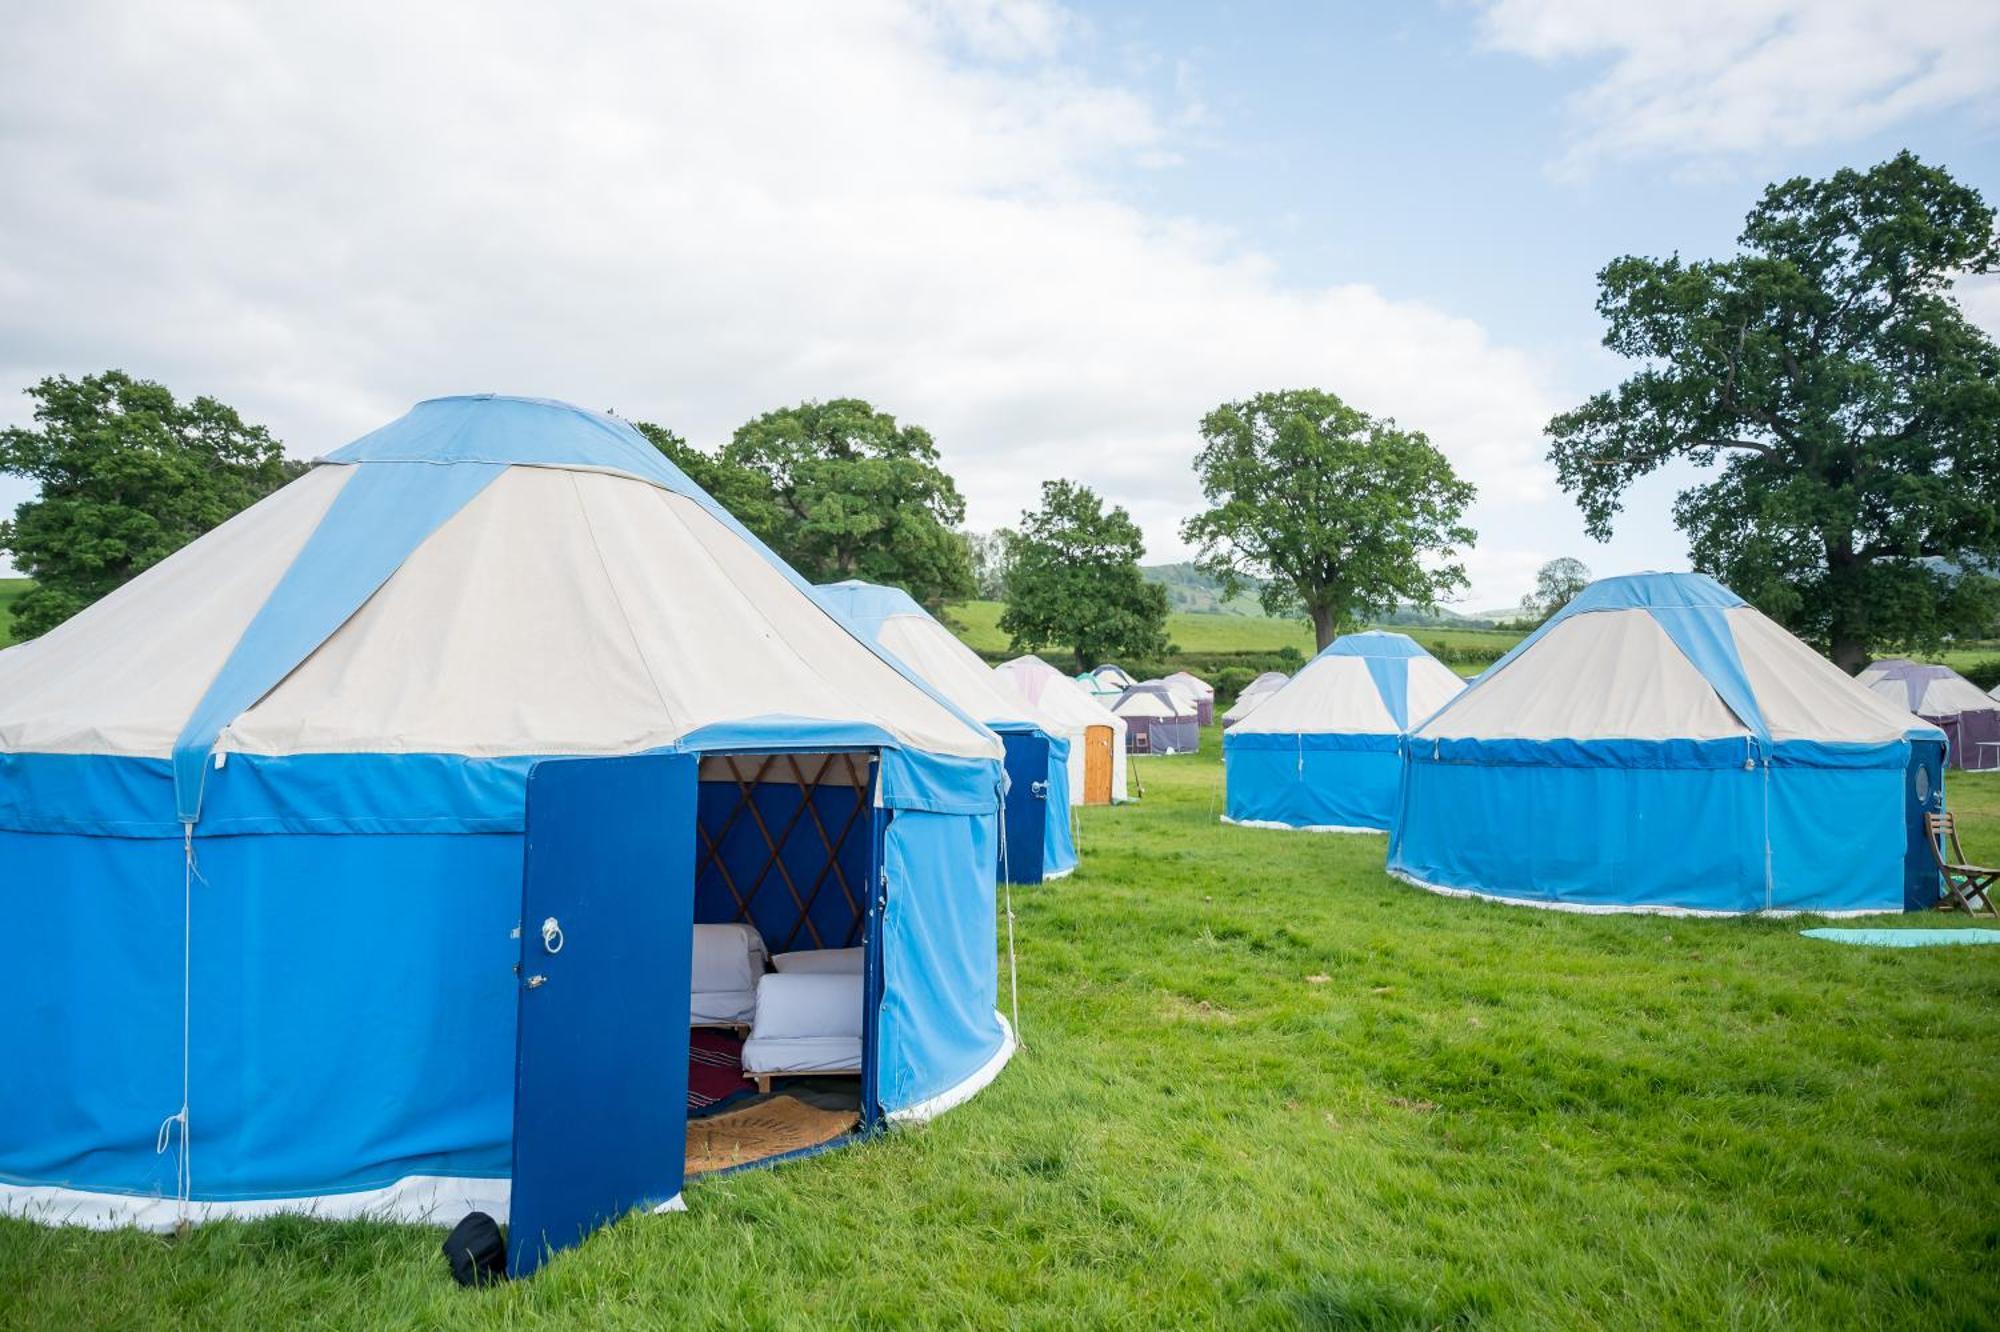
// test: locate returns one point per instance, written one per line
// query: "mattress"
(806, 1023)
(728, 963)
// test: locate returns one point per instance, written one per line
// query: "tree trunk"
(1325, 627)
(1846, 632)
(1848, 650)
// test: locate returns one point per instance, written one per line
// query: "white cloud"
(688, 213)
(1700, 78)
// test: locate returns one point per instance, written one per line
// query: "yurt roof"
(1254, 694)
(894, 621)
(484, 576)
(1925, 689)
(1056, 694)
(1148, 701)
(1369, 683)
(1667, 657)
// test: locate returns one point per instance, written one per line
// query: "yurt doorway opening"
(1097, 762)
(698, 980)
(786, 976)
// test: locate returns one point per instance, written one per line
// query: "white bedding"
(728, 963)
(806, 1023)
(819, 962)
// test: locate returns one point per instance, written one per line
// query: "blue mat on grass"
(1906, 938)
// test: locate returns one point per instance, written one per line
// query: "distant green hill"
(1194, 592)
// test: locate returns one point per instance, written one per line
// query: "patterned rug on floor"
(715, 1071)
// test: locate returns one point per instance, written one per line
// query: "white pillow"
(820, 962)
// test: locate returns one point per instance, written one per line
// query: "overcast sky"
(1053, 234)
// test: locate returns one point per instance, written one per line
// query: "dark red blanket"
(715, 1070)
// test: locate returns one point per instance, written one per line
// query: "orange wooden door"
(1097, 765)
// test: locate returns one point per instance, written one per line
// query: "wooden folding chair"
(1965, 885)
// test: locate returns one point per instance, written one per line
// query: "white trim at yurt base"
(1053, 875)
(1275, 826)
(1627, 909)
(421, 1199)
(925, 1111)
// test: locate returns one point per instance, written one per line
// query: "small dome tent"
(1259, 689)
(1200, 690)
(1112, 678)
(1659, 744)
(1158, 720)
(270, 812)
(1322, 752)
(1947, 700)
(1097, 773)
(1038, 745)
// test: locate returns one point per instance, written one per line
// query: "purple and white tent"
(1157, 721)
(1969, 719)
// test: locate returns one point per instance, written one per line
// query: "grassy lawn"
(1264, 1085)
(978, 623)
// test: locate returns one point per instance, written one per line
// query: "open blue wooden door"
(1027, 804)
(1923, 789)
(607, 926)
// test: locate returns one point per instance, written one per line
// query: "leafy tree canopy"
(1847, 411)
(744, 491)
(128, 475)
(1556, 585)
(1341, 515)
(849, 493)
(1075, 581)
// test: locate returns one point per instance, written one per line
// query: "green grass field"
(978, 623)
(1265, 1085)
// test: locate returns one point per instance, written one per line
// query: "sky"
(1053, 234)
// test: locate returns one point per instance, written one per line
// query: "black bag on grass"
(476, 1251)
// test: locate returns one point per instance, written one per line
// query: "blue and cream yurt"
(1322, 752)
(328, 913)
(1659, 744)
(1039, 844)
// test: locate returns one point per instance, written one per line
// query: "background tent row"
(1658, 744)
(1039, 843)
(1259, 689)
(281, 815)
(1097, 765)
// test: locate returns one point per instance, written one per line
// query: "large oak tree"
(1073, 580)
(128, 474)
(1336, 514)
(1846, 411)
